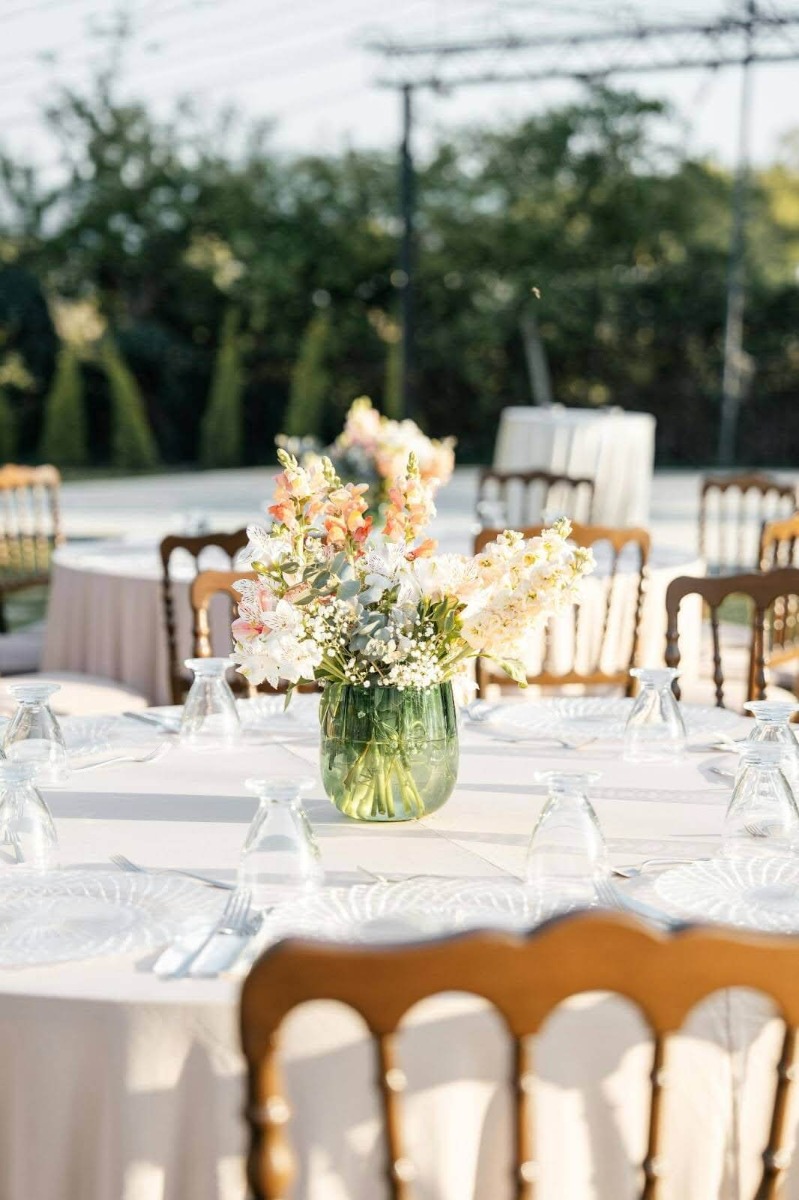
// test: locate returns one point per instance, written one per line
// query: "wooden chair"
(525, 497)
(525, 978)
(774, 627)
(740, 504)
(30, 528)
(778, 541)
(596, 675)
(205, 586)
(230, 544)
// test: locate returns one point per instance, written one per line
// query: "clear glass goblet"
(762, 817)
(27, 832)
(210, 718)
(34, 736)
(655, 730)
(772, 727)
(567, 857)
(280, 859)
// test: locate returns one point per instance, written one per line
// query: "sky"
(305, 64)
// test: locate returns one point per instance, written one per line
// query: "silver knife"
(166, 724)
(223, 951)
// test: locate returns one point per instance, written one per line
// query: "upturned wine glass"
(772, 727)
(762, 817)
(34, 735)
(27, 833)
(210, 718)
(655, 730)
(280, 859)
(567, 858)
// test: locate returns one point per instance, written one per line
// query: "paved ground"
(158, 504)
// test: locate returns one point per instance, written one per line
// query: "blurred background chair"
(525, 979)
(732, 511)
(772, 631)
(197, 546)
(508, 499)
(205, 588)
(30, 529)
(593, 646)
(778, 543)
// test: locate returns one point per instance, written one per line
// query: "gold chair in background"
(229, 544)
(778, 540)
(512, 498)
(732, 510)
(30, 528)
(774, 627)
(596, 675)
(525, 978)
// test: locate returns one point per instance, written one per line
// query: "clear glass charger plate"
(67, 916)
(750, 893)
(265, 714)
(600, 717)
(409, 910)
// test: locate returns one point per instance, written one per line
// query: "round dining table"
(105, 614)
(120, 1085)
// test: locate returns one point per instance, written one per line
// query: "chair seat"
(21, 651)
(80, 695)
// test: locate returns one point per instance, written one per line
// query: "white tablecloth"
(120, 1086)
(106, 617)
(616, 449)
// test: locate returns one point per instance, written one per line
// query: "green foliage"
(310, 381)
(64, 438)
(8, 432)
(132, 443)
(222, 430)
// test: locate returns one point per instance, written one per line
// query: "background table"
(119, 1085)
(616, 449)
(106, 617)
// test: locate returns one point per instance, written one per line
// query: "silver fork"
(125, 864)
(235, 921)
(151, 756)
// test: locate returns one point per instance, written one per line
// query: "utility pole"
(736, 368)
(406, 280)
(756, 36)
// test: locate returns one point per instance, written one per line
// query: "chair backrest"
(775, 624)
(526, 497)
(30, 522)
(619, 616)
(732, 509)
(229, 544)
(525, 978)
(778, 540)
(204, 587)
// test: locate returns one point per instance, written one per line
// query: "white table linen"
(119, 1084)
(614, 448)
(106, 617)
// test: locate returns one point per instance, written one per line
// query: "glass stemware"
(772, 726)
(655, 730)
(34, 735)
(567, 857)
(210, 717)
(762, 817)
(27, 832)
(280, 858)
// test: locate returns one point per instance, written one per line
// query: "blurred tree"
(310, 381)
(132, 444)
(392, 388)
(222, 430)
(65, 435)
(8, 438)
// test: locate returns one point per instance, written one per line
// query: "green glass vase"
(388, 754)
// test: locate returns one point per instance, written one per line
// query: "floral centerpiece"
(374, 449)
(385, 625)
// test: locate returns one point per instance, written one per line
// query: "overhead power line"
(751, 34)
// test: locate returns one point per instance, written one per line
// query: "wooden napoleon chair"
(526, 497)
(774, 629)
(732, 509)
(30, 528)
(596, 675)
(205, 586)
(525, 978)
(778, 543)
(230, 544)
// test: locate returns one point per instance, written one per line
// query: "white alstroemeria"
(263, 546)
(447, 575)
